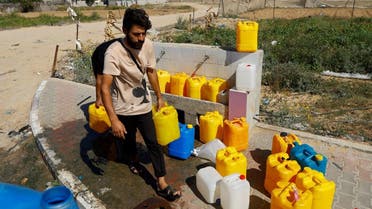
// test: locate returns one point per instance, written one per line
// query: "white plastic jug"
(246, 77)
(207, 182)
(235, 192)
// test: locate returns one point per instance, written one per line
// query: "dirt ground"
(27, 57)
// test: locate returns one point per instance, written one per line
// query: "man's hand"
(99, 103)
(161, 103)
(118, 129)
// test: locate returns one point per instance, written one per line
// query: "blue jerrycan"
(306, 156)
(183, 146)
(18, 197)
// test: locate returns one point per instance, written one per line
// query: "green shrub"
(291, 77)
(319, 43)
(223, 37)
(181, 24)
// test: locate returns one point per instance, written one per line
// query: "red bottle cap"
(242, 177)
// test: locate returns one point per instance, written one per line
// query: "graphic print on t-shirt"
(141, 92)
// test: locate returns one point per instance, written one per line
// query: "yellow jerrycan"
(210, 126)
(193, 86)
(323, 190)
(229, 161)
(99, 121)
(288, 196)
(284, 142)
(279, 168)
(211, 88)
(246, 36)
(177, 83)
(164, 81)
(166, 124)
(235, 133)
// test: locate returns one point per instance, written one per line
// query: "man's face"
(136, 36)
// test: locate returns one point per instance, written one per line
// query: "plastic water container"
(235, 133)
(166, 125)
(246, 36)
(245, 77)
(307, 157)
(284, 142)
(211, 88)
(235, 192)
(208, 183)
(229, 161)
(182, 147)
(177, 83)
(164, 81)
(287, 196)
(193, 86)
(16, 197)
(279, 168)
(210, 126)
(323, 190)
(99, 121)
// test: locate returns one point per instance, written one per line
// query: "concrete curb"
(83, 196)
(337, 141)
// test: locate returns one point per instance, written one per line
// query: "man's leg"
(147, 128)
(130, 137)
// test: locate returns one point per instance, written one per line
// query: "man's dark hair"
(136, 16)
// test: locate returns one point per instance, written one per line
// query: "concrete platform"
(59, 124)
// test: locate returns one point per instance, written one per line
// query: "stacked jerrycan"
(306, 156)
(166, 125)
(246, 36)
(16, 197)
(284, 142)
(235, 133)
(211, 88)
(164, 81)
(99, 121)
(279, 168)
(229, 161)
(287, 196)
(193, 86)
(322, 190)
(177, 83)
(183, 146)
(211, 126)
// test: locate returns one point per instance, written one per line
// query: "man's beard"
(135, 45)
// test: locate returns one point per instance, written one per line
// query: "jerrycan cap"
(242, 177)
(319, 157)
(189, 126)
(283, 134)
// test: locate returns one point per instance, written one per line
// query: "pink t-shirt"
(130, 95)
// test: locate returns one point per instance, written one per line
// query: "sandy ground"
(26, 58)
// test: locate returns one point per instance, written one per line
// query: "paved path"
(58, 120)
(26, 58)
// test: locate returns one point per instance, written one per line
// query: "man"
(126, 97)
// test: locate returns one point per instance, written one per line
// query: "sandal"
(134, 167)
(168, 193)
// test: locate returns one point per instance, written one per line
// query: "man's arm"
(118, 128)
(98, 90)
(153, 79)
